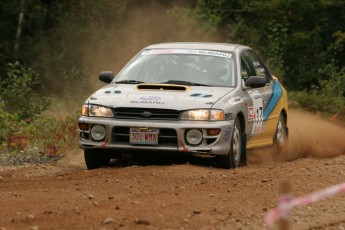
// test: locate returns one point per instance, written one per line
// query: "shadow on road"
(149, 159)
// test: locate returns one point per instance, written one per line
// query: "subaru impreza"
(210, 99)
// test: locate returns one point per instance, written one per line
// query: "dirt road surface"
(180, 192)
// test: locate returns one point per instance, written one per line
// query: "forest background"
(51, 52)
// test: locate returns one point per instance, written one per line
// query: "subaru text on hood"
(206, 98)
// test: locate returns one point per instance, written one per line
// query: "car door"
(257, 100)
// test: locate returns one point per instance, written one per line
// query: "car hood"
(158, 96)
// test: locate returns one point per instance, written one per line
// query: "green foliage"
(40, 140)
(210, 12)
(7, 124)
(277, 34)
(328, 97)
(298, 37)
(59, 39)
(55, 135)
(63, 36)
(21, 128)
(8, 20)
(17, 92)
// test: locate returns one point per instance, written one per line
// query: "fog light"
(194, 136)
(98, 132)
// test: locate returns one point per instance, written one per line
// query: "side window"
(245, 67)
(258, 66)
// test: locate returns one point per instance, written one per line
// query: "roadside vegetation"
(51, 52)
(26, 135)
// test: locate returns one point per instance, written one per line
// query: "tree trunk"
(19, 28)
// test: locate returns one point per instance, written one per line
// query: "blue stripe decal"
(277, 93)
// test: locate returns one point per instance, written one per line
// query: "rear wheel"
(280, 138)
(237, 150)
(96, 158)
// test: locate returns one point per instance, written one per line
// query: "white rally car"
(206, 98)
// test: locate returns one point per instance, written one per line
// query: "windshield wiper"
(129, 82)
(183, 83)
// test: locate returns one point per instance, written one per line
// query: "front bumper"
(171, 136)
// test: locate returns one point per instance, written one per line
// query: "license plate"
(143, 136)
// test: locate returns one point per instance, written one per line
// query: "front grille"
(166, 136)
(146, 113)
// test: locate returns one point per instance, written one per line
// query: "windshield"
(180, 66)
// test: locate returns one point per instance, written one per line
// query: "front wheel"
(237, 149)
(96, 158)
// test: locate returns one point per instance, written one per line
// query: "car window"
(245, 67)
(211, 68)
(257, 67)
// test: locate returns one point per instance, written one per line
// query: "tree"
(297, 37)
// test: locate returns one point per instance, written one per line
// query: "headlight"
(203, 115)
(96, 111)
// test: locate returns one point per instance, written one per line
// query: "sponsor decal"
(235, 100)
(149, 98)
(185, 51)
(227, 134)
(148, 102)
(149, 52)
(256, 112)
(200, 95)
(228, 116)
(250, 113)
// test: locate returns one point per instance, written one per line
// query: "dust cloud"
(139, 27)
(310, 135)
(111, 46)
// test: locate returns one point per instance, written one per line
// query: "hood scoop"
(162, 87)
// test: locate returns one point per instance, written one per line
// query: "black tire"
(237, 152)
(243, 160)
(281, 135)
(96, 158)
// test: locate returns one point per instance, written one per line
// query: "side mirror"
(256, 82)
(106, 76)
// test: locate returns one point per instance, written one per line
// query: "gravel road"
(178, 192)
